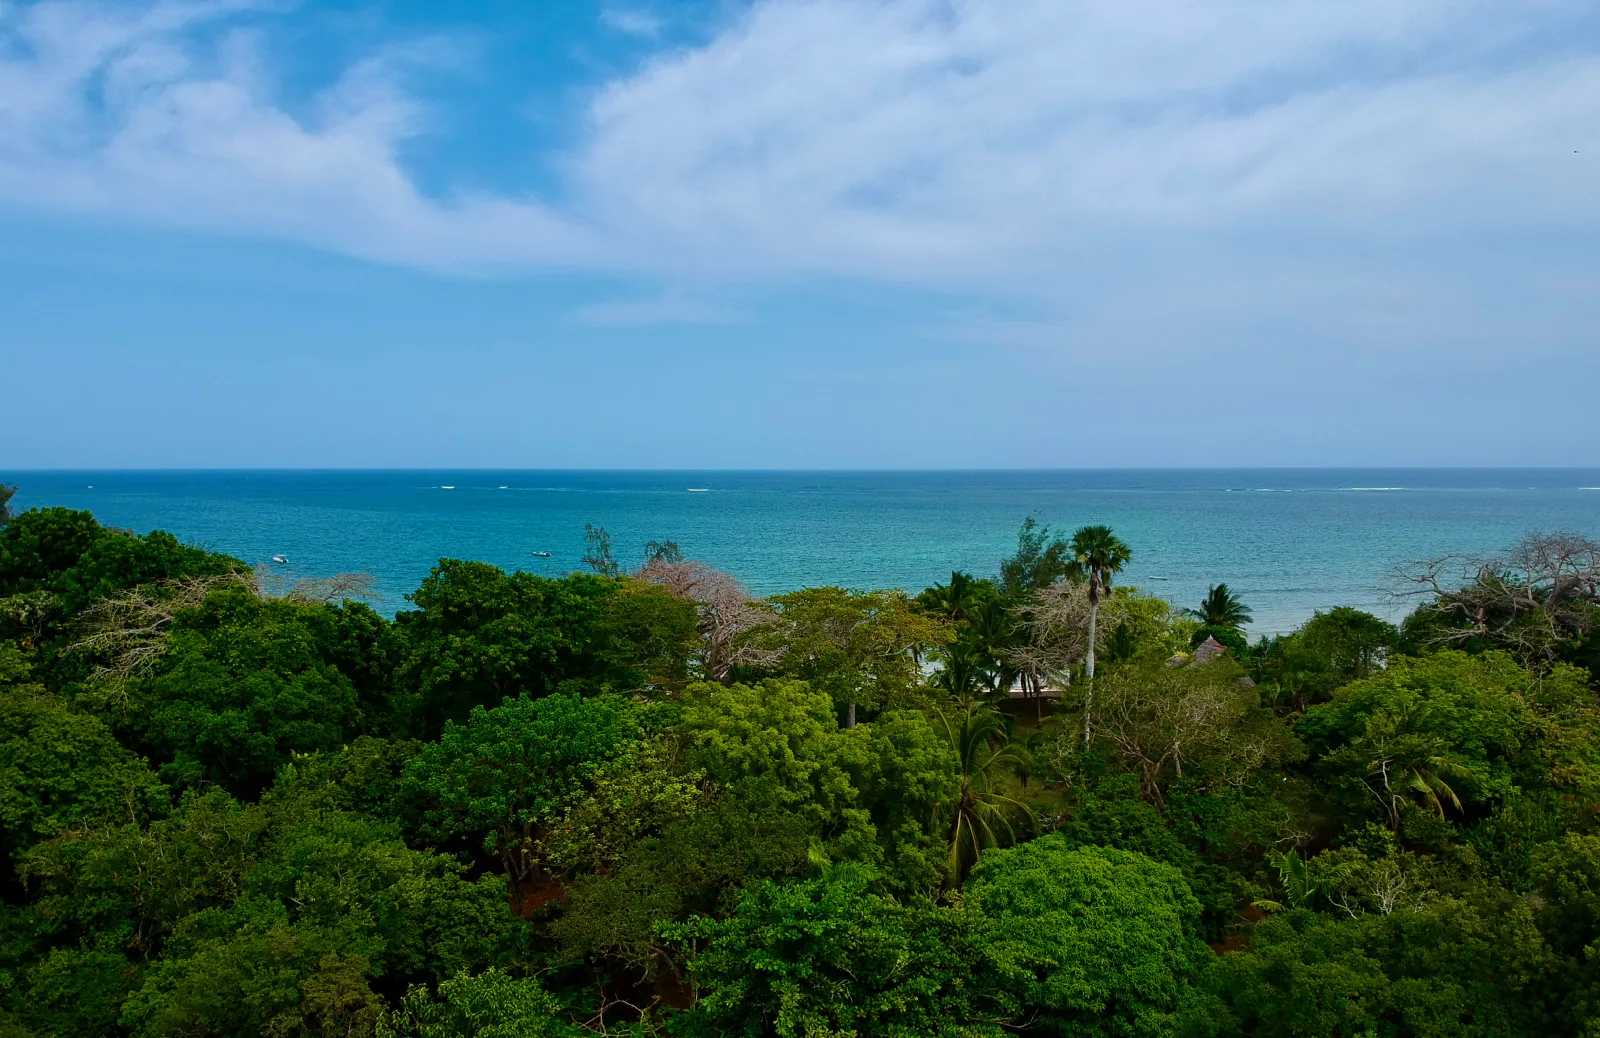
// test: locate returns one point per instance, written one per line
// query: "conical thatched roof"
(1209, 650)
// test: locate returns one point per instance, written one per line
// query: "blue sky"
(800, 233)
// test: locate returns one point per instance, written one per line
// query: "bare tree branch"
(1543, 593)
(272, 583)
(727, 615)
(128, 632)
(1054, 624)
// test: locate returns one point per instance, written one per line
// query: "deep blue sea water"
(1289, 541)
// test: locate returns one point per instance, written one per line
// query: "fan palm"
(1221, 608)
(1098, 555)
(982, 816)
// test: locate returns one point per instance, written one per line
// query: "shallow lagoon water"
(1289, 541)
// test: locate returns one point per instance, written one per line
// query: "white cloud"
(917, 138)
(952, 143)
(166, 114)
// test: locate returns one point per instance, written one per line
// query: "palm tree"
(994, 632)
(982, 816)
(1221, 608)
(1098, 555)
(958, 599)
(1420, 777)
(963, 670)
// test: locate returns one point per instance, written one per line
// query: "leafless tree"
(271, 583)
(1541, 594)
(1054, 624)
(126, 633)
(727, 614)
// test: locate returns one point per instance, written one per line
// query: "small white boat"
(541, 555)
(280, 560)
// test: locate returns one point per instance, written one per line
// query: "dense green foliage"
(612, 804)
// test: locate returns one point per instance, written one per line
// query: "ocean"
(1289, 542)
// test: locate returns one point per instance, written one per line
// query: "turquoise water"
(1289, 541)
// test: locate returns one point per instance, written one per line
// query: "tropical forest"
(640, 800)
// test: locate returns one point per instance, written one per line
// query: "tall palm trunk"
(1088, 666)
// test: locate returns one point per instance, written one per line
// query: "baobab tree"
(1053, 627)
(1540, 596)
(726, 614)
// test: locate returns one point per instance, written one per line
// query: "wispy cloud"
(633, 21)
(666, 308)
(1026, 144)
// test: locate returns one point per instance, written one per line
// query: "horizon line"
(797, 469)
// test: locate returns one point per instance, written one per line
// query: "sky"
(799, 233)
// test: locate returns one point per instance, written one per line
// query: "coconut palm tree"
(1098, 555)
(963, 670)
(1391, 779)
(959, 599)
(1221, 608)
(982, 817)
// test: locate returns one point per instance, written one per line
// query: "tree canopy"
(655, 803)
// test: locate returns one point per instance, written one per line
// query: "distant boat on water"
(280, 560)
(541, 555)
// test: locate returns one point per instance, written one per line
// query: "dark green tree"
(245, 683)
(597, 551)
(1090, 942)
(666, 553)
(62, 769)
(1472, 966)
(1451, 730)
(828, 956)
(1040, 561)
(960, 599)
(1354, 643)
(479, 636)
(502, 777)
(1332, 649)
